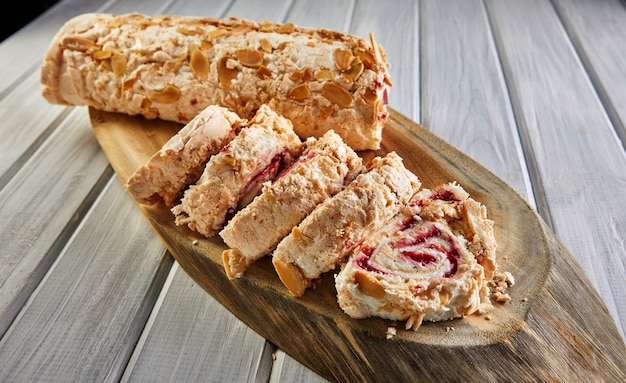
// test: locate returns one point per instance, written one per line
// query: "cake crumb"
(391, 332)
(195, 242)
(487, 317)
(449, 328)
(499, 284)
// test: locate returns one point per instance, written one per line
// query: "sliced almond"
(369, 285)
(286, 28)
(76, 43)
(189, 32)
(235, 264)
(199, 63)
(266, 46)
(356, 69)
(225, 74)
(173, 65)
(102, 55)
(343, 59)
(324, 75)
(337, 94)
(118, 64)
(296, 76)
(264, 72)
(367, 58)
(369, 95)
(291, 276)
(168, 95)
(299, 92)
(215, 33)
(251, 58)
(307, 74)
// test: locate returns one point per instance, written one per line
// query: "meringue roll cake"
(235, 175)
(325, 167)
(337, 225)
(172, 67)
(182, 159)
(431, 262)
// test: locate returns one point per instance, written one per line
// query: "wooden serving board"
(555, 328)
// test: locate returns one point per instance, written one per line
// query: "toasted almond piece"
(118, 64)
(77, 43)
(174, 64)
(200, 65)
(296, 76)
(299, 92)
(266, 46)
(225, 74)
(189, 32)
(234, 263)
(356, 68)
(215, 33)
(286, 28)
(369, 95)
(324, 75)
(366, 57)
(307, 74)
(369, 285)
(444, 297)
(102, 55)
(168, 95)
(291, 276)
(325, 112)
(343, 59)
(251, 58)
(337, 94)
(264, 72)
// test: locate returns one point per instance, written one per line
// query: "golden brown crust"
(171, 67)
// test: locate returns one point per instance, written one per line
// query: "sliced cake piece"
(234, 176)
(340, 223)
(426, 264)
(325, 167)
(183, 157)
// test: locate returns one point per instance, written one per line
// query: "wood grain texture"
(81, 323)
(598, 32)
(191, 337)
(464, 95)
(526, 334)
(41, 206)
(577, 163)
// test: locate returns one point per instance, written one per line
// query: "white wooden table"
(534, 90)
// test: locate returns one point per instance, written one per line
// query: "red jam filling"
(424, 258)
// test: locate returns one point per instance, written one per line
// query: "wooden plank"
(329, 14)
(42, 205)
(564, 127)
(464, 95)
(82, 321)
(192, 337)
(598, 32)
(399, 37)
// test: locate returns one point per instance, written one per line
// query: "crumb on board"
(391, 332)
(195, 242)
(499, 284)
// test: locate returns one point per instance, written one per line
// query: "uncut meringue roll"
(325, 167)
(235, 175)
(181, 160)
(172, 67)
(431, 262)
(323, 239)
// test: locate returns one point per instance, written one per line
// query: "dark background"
(27, 10)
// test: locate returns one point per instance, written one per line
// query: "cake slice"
(234, 176)
(183, 157)
(431, 262)
(325, 167)
(337, 225)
